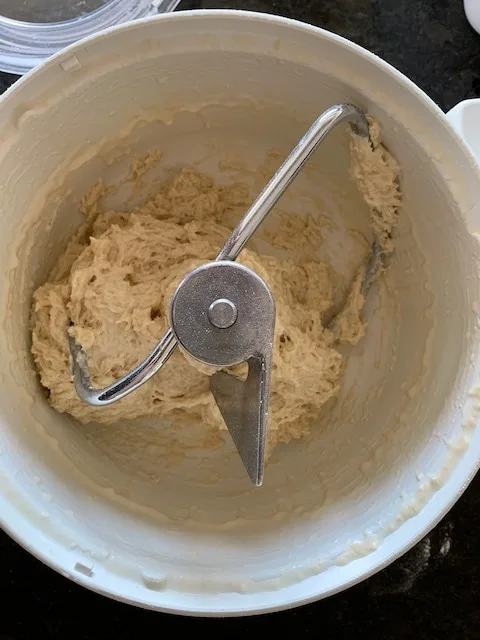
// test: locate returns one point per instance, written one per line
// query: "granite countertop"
(433, 591)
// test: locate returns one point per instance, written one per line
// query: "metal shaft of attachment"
(254, 217)
(222, 313)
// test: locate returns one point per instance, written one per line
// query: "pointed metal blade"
(244, 407)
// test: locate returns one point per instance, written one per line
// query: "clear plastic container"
(32, 30)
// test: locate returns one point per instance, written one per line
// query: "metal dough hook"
(223, 313)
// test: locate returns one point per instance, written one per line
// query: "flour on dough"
(116, 278)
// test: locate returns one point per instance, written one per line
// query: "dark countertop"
(433, 591)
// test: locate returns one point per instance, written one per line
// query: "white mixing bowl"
(105, 506)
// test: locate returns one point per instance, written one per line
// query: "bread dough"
(117, 275)
(376, 171)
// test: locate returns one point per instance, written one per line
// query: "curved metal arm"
(127, 384)
(237, 241)
(288, 171)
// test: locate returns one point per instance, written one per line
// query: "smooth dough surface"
(116, 278)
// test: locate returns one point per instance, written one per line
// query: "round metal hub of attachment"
(222, 313)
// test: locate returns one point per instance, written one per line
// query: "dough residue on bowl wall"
(115, 280)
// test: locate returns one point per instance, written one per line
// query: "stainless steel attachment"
(223, 314)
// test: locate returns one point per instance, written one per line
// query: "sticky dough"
(115, 280)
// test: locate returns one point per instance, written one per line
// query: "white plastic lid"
(472, 11)
(33, 30)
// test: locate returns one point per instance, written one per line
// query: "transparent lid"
(32, 30)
